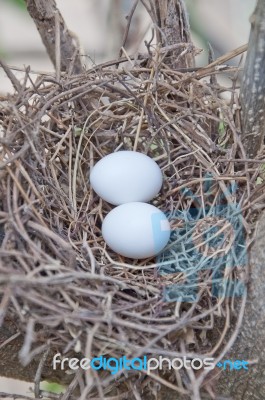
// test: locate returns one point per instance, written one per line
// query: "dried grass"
(56, 272)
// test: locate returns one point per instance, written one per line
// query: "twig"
(71, 387)
(15, 82)
(57, 46)
(37, 379)
(228, 56)
(129, 20)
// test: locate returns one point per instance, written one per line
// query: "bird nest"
(67, 292)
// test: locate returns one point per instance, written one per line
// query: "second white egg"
(136, 230)
(126, 176)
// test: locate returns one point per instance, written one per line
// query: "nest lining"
(56, 271)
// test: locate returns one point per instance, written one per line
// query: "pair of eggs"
(129, 179)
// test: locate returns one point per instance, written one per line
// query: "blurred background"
(99, 25)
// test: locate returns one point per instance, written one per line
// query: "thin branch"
(15, 82)
(57, 46)
(45, 13)
(38, 375)
(129, 20)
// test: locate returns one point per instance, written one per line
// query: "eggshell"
(126, 176)
(136, 230)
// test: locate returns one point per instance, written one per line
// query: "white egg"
(126, 176)
(136, 230)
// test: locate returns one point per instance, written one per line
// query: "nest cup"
(60, 280)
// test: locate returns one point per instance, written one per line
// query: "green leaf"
(259, 180)
(52, 387)
(221, 128)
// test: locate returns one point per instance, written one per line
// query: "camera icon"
(206, 252)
